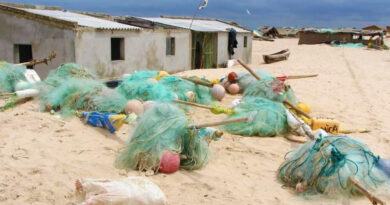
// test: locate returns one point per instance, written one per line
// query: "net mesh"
(269, 118)
(326, 164)
(145, 90)
(67, 71)
(77, 94)
(160, 129)
(163, 128)
(245, 79)
(10, 75)
(272, 89)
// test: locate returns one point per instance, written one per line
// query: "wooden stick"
(249, 69)
(193, 104)
(213, 124)
(293, 77)
(35, 62)
(297, 109)
(354, 131)
(199, 82)
(374, 200)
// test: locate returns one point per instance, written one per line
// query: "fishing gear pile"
(10, 76)
(163, 128)
(269, 118)
(326, 165)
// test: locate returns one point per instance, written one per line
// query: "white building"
(112, 48)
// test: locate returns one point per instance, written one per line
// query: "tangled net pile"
(245, 79)
(326, 165)
(269, 118)
(10, 75)
(272, 89)
(72, 87)
(163, 128)
(182, 87)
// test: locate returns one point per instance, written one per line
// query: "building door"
(204, 50)
(23, 53)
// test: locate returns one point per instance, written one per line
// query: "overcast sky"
(296, 13)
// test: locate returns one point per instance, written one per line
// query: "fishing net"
(269, 118)
(179, 86)
(245, 79)
(67, 71)
(326, 164)
(82, 94)
(163, 128)
(141, 76)
(160, 129)
(10, 75)
(272, 89)
(145, 90)
(196, 148)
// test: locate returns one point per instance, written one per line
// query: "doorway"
(23, 53)
(204, 50)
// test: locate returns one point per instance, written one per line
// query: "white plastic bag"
(32, 76)
(129, 191)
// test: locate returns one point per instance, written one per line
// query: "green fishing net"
(10, 75)
(145, 90)
(83, 95)
(182, 87)
(160, 129)
(67, 71)
(196, 148)
(272, 89)
(268, 118)
(326, 164)
(245, 79)
(179, 86)
(163, 128)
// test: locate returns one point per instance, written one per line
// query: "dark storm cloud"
(317, 13)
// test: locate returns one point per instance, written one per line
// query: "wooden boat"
(275, 57)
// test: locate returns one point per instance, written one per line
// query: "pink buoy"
(148, 105)
(225, 83)
(125, 75)
(170, 162)
(134, 106)
(218, 92)
(234, 89)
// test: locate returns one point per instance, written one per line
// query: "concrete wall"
(144, 49)
(42, 37)
(244, 54)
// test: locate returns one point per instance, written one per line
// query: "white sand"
(42, 156)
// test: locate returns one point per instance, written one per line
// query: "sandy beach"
(42, 155)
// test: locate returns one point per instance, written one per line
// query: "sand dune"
(42, 156)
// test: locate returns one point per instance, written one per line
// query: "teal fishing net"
(160, 129)
(82, 95)
(272, 89)
(326, 164)
(179, 86)
(67, 71)
(245, 79)
(196, 150)
(163, 128)
(10, 75)
(141, 76)
(145, 90)
(269, 118)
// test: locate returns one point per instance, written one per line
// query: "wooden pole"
(35, 62)
(193, 104)
(199, 82)
(293, 77)
(297, 109)
(374, 200)
(213, 124)
(249, 69)
(285, 101)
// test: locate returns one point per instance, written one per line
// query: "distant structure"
(318, 36)
(112, 48)
(374, 28)
(269, 31)
(209, 38)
